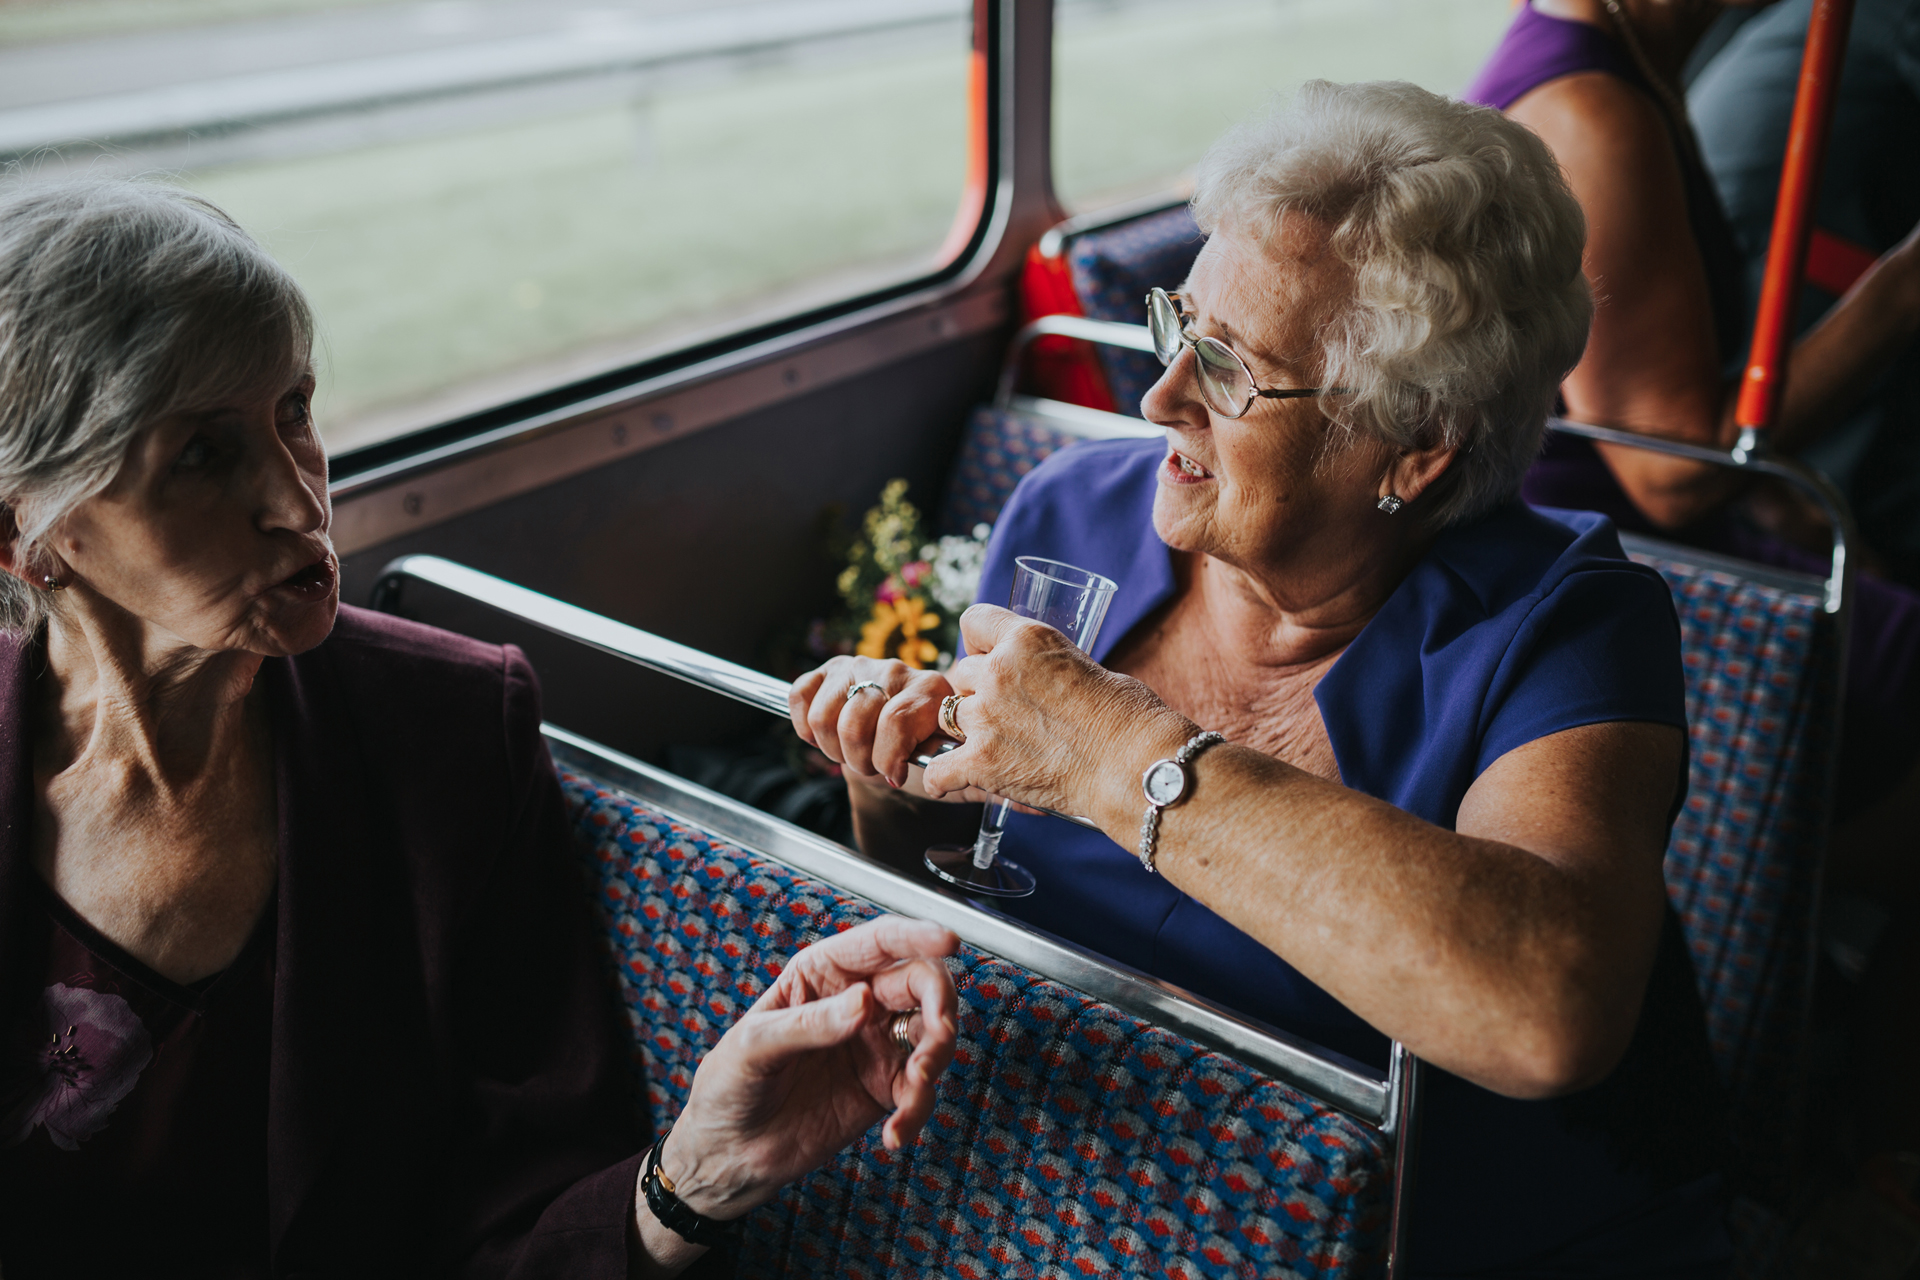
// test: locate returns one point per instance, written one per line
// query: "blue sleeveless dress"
(1514, 626)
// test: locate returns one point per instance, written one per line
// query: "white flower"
(957, 563)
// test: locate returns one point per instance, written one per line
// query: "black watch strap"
(672, 1211)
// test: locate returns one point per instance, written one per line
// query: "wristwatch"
(672, 1211)
(1166, 783)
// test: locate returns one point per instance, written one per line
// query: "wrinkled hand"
(1045, 723)
(810, 1067)
(873, 738)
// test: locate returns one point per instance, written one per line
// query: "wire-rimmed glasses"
(1226, 383)
(1073, 602)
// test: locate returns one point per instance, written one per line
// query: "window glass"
(486, 198)
(1141, 87)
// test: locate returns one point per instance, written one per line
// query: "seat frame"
(1389, 1102)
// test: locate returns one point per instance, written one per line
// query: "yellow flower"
(908, 617)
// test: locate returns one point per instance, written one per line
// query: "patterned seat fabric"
(1071, 1139)
(1743, 864)
(998, 447)
(1112, 270)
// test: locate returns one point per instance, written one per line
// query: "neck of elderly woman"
(1304, 612)
(116, 682)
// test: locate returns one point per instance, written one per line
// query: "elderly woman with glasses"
(295, 977)
(1409, 749)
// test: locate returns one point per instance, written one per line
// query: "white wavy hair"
(121, 303)
(1464, 240)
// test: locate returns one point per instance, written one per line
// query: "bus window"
(489, 198)
(1141, 87)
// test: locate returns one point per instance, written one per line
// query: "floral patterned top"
(133, 1109)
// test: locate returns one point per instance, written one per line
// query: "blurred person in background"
(1868, 202)
(1600, 81)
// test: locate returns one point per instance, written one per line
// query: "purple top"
(123, 1088)
(1538, 48)
(1513, 627)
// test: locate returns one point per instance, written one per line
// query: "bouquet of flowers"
(904, 592)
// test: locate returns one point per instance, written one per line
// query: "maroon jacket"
(447, 1092)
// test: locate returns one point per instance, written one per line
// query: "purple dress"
(1514, 626)
(1878, 746)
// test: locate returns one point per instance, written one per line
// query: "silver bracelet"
(1167, 783)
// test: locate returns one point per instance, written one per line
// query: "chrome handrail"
(1133, 337)
(1756, 461)
(643, 648)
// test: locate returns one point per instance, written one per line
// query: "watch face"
(1165, 781)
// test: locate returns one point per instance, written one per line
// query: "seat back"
(1762, 660)
(1071, 1138)
(1002, 443)
(1112, 269)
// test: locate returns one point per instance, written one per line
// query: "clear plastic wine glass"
(1073, 602)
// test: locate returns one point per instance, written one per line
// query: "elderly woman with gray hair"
(294, 969)
(1451, 728)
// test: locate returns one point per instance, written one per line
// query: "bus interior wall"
(712, 539)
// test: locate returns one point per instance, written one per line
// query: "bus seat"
(1113, 267)
(1072, 1138)
(1743, 864)
(1002, 443)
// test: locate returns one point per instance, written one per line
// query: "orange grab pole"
(1759, 402)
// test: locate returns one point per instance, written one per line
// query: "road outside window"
(487, 198)
(1142, 86)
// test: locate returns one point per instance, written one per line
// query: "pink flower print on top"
(92, 1057)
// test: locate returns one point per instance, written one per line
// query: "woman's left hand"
(1045, 723)
(811, 1066)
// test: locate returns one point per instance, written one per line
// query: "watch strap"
(672, 1211)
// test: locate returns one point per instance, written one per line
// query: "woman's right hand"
(868, 735)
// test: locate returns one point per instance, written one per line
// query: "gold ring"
(950, 717)
(897, 1030)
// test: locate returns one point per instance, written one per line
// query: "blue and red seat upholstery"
(1071, 1139)
(1112, 270)
(997, 448)
(1743, 864)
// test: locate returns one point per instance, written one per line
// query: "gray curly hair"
(121, 303)
(1464, 239)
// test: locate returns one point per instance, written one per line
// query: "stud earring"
(1390, 504)
(52, 583)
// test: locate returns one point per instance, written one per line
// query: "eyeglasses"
(1225, 381)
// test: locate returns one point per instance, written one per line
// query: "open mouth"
(315, 582)
(1182, 468)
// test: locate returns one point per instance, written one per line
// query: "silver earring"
(1390, 504)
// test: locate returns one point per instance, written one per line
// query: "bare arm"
(1513, 951)
(1652, 364)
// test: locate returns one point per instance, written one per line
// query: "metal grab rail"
(1133, 337)
(1805, 479)
(643, 648)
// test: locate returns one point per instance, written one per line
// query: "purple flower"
(95, 1049)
